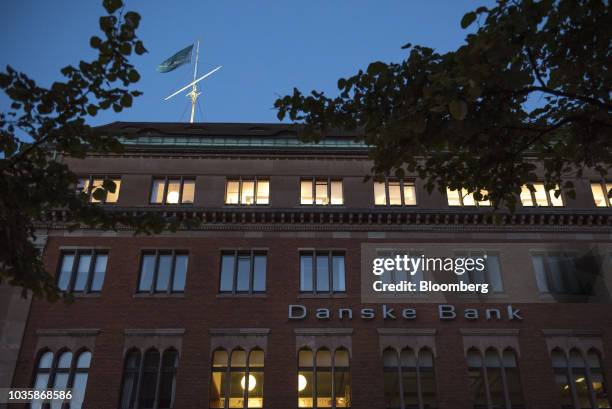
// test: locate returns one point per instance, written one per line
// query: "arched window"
(43, 373)
(580, 381)
(149, 383)
(64, 373)
(494, 379)
(79, 382)
(239, 384)
(324, 379)
(409, 382)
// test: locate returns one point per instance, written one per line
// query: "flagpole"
(194, 94)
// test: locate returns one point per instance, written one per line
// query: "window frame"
(52, 371)
(166, 180)
(548, 196)
(477, 203)
(475, 253)
(77, 253)
(140, 371)
(548, 274)
(483, 369)
(157, 253)
(241, 180)
(602, 183)
(417, 368)
(313, 181)
(89, 192)
(332, 369)
(236, 253)
(568, 372)
(330, 253)
(403, 182)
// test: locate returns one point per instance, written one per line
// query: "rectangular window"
(322, 272)
(243, 191)
(559, 273)
(324, 379)
(394, 276)
(394, 193)
(243, 272)
(411, 373)
(601, 193)
(163, 271)
(82, 271)
(462, 197)
(173, 190)
(491, 274)
(540, 197)
(89, 185)
(321, 192)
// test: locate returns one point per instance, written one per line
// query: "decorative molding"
(68, 332)
(489, 331)
(238, 331)
(323, 331)
(154, 332)
(571, 333)
(406, 331)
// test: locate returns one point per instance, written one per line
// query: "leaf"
(468, 19)
(139, 48)
(99, 194)
(125, 49)
(95, 42)
(406, 46)
(112, 5)
(458, 109)
(133, 76)
(92, 110)
(126, 100)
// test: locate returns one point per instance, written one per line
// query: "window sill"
(493, 296)
(159, 295)
(84, 295)
(230, 295)
(323, 295)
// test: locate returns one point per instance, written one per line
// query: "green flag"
(178, 59)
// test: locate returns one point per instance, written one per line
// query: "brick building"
(261, 304)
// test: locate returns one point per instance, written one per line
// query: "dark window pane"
(259, 273)
(149, 380)
(130, 380)
(306, 273)
(146, 272)
(244, 269)
(227, 273)
(99, 272)
(82, 272)
(338, 278)
(163, 272)
(322, 272)
(180, 272)
(65, 271)
(167, 383)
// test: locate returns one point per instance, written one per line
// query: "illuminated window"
(163, 272)
(247, 192)
(324, 379)
(580, 379)
(89, 186)
(462, 197)
(82, 271)
(601, 194)
(321, 192)
(239, 384)
(562, 273)
(494, 379)
(322, 272)
(64, 373)
(243, 272)
(394, 193)
(491, 274)
(173, 190)
(151, 382)
(540, 197)
(409, 382)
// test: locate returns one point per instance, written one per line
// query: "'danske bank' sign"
(446, 312)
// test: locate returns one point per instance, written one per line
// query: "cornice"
(406, 219)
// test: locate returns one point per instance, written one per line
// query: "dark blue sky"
(266, 47)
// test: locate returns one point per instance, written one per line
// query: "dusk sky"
(265, 47)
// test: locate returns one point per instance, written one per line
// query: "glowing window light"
(302, 382)
(252, 382)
